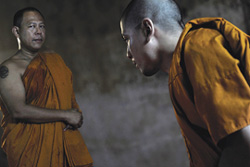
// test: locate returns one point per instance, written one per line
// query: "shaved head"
(164, 13)
(18, 17)
(151, 30)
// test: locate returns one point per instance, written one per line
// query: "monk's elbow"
(17, 112)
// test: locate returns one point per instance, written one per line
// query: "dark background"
(129, 120)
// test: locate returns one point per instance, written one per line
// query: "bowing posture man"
(208, 62)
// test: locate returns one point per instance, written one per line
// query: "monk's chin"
(149, 73)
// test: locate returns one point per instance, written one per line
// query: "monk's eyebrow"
(28, 23)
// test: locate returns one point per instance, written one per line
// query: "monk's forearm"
(32, 114)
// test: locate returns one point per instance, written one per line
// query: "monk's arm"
(74, 102)
(236, 149)
(13, 95)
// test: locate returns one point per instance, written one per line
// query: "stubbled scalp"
(18, 17)
(4, 71)
(164, 13)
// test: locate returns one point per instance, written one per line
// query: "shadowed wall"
(129, 120)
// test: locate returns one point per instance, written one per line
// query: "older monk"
(41, 115)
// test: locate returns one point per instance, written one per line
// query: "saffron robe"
(209, 86)
(48, 84)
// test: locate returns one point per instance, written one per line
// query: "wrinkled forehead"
(30, 16)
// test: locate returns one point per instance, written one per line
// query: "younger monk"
(209, 76)
(41, 115)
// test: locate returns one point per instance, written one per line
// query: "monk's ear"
(15, 31)
(148, 28)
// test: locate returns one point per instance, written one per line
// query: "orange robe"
(209, 86)
(48, 84)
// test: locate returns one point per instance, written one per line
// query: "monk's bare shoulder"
(12, 66)
(4, 71)
(4, 68)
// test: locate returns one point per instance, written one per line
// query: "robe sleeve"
(221, 92)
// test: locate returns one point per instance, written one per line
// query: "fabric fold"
(209, 86)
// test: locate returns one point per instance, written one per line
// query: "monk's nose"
(38, 31)
(129, 55)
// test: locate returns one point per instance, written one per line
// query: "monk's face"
(32, 31)
(142, 53)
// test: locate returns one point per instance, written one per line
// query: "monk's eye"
(31, 26)
(42, 26)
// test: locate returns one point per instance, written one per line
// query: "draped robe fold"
(209, 85)
(48, 84)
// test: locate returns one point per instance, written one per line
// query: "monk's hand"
(68, 127)
(74, 119)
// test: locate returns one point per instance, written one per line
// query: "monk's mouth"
(37, 40)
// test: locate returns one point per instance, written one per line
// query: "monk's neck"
(167, 44)
(28, 55)
(166, 62)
